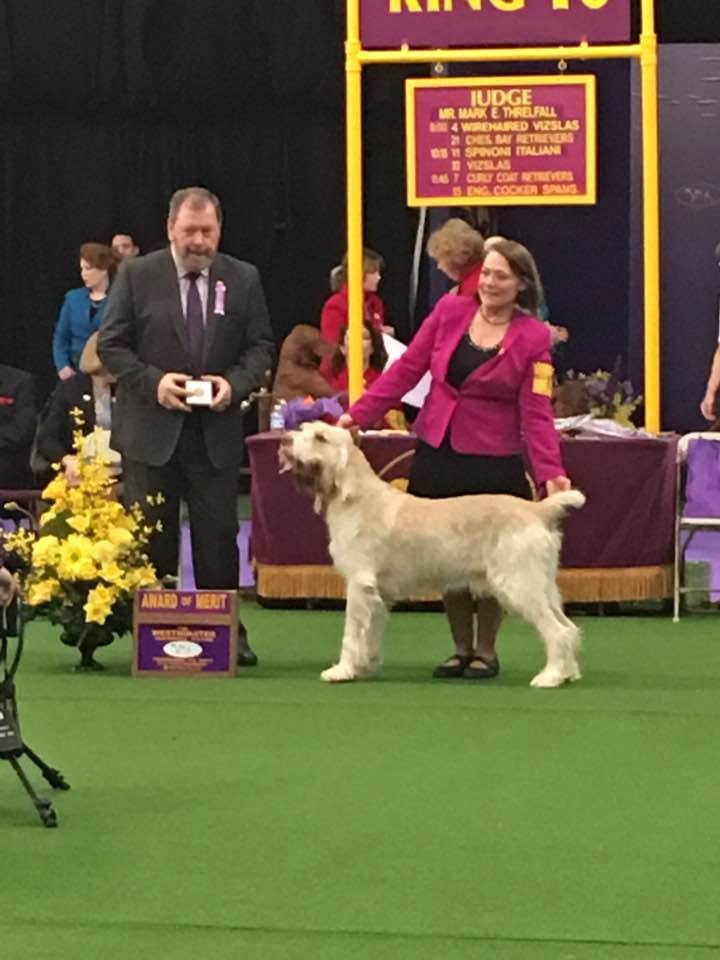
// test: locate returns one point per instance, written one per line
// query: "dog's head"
(305, 347)
(570, 399)
(318, 455)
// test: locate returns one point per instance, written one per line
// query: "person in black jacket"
(17, 426)
(90, 392)
(184, 314)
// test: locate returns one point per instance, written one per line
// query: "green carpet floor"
(274, 816)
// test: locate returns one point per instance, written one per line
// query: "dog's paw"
(338, 673)
(551, 677)
(573, 672)
(366, 670)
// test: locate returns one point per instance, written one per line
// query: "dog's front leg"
(362, 634)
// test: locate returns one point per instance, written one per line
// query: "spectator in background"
(124, 246)
(82, 309)
(17, 426)
(374, 358)
(335, 313)
(90, 392)
(708, 402)
(707, 405)
(557, 334)
(458, 250)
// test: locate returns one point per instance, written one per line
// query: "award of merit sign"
(483, 23)
(180, 633)
(501, 140)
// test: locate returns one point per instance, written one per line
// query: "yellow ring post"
(353, 142)
(582, 51)
(651, 216)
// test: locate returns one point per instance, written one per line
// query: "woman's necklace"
(493, 323)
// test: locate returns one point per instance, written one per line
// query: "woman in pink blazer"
(489, 361)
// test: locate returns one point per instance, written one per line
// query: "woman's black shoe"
(452, 668)
(481, 668)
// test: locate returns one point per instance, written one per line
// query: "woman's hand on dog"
(346, 422)
(558, 485)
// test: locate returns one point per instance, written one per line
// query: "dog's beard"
(310, 476)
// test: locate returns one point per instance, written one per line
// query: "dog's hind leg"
(573, 633)
(561, 644)
(365, 615)
(560, 636)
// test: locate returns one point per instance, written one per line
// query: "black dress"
(443, 472)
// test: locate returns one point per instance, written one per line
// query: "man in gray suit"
(187, 313)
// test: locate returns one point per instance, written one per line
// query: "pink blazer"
(502, 403)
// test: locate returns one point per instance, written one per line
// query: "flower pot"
(92, 637)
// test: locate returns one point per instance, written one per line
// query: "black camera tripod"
(12, 747)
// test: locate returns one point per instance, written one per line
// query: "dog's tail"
(553, 508)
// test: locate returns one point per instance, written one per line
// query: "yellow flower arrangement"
(84, 564)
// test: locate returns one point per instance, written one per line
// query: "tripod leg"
(53, 777)
(44, 807)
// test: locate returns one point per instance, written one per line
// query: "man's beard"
(195, 262)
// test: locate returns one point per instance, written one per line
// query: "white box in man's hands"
(200, 393)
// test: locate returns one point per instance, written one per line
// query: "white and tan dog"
(390, 545)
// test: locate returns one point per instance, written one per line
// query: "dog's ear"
(345, 474)
(326, 481)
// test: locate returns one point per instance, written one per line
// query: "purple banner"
(183, 648)
(481, 23)
(501, 140)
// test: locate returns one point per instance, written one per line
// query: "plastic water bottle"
(277, 415)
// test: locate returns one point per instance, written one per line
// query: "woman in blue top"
(83, 307)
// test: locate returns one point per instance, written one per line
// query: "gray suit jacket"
(143, 335)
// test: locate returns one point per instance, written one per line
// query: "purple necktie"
(195, 324)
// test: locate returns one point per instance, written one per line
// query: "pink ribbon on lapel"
(220, 289)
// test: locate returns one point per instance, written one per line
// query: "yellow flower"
(42, 591)
(126, 521)
(56, 490)
(120, 536)
(76, 500)
(99, 604)
(112, 573)
(103, 551)
(142, 577)
(45, 551)
(105, 545)
(80, 523)
(85, 569)
(76, 560)
(20, 542)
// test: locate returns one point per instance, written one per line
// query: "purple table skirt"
(628, 520)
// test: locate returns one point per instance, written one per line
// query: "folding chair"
(697, 501)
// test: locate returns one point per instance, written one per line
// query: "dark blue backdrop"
(107, 107)
(690, 207)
